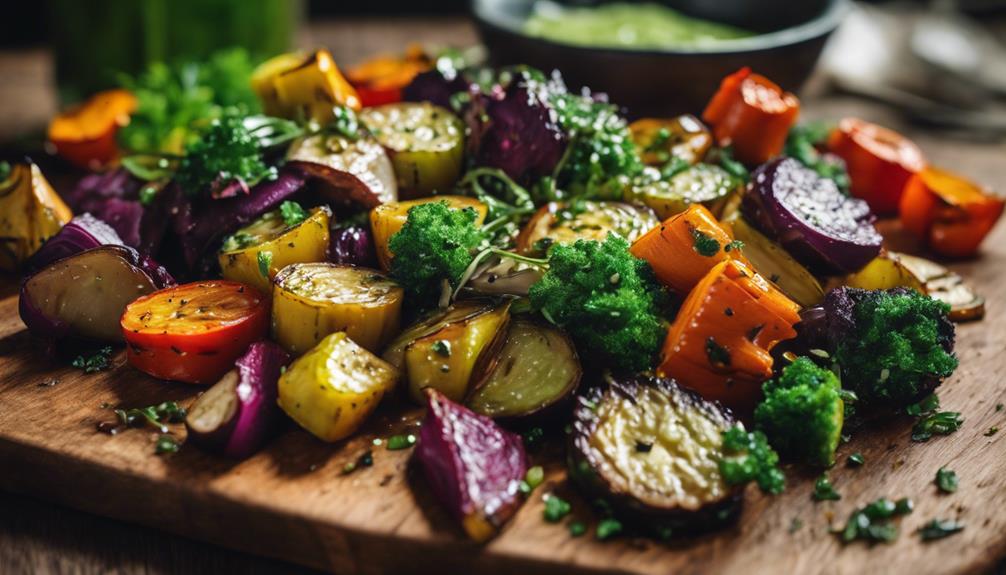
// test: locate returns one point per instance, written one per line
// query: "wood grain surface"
(292, 502)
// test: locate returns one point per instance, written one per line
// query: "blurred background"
(940, 62)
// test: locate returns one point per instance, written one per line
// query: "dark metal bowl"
(661, 82)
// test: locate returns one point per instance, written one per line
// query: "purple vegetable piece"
(112, 197)
(239, 413)
(352, 245)
(435, 87)
(474, 467)
(83, 232)
(522, 136)
(202, 229)
(125, 216)
(819, 225)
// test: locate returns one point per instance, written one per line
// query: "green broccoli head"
(748, 457)
(893, 347)
(802, 413)
(607, 299)
(437, 242)
(226, 152)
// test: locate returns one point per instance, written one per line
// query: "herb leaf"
(939, 423)
(946, 480)
(873, 522)
(705, 244)
(608, 528)
(824, 490)
(99, 361)
(396, 442)
(555, 508)
(939, 528)
(264, 263)
(292, 213)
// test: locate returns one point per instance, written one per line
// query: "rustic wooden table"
(39, 537)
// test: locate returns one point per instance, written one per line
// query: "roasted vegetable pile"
(693, 301)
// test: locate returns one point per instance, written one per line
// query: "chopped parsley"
(555, 508)
(366, 459)
(855, 460)
(396, 442)
(346, 123)
(166, 444)
(534, 476)
(991, 431)
(577, 528)
(873, 523)
(264, 263)
(824, 490)
(98, 361)
(946, 480)
(238, 241)
(939, 528)
(734, 245)
(928, 405)
(442, 347)
(292, 213)
(704, 244)
(608, 528)
(717, 354)
(155, 416)
(147, 194)
(939, 423)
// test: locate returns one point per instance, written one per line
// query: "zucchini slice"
(426, 144)
(313, 300)
(537, 369)
(269, 245)
(559, 223)
(651, 450)
(704, 184)
(946, 286)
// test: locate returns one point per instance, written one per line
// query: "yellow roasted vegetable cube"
(255, 254)
(332, 389)
(313, 300)
(303, 87)
(387, 219)
(30, 213)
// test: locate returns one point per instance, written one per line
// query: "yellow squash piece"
(269, 245)
(455, 355)
(332, 389)
(771, 261)
(426, 144)
(386, 220)
(30, 213)
(883, 272)
(556, 223)
(704, 184)
(303, 87)
(313, 300)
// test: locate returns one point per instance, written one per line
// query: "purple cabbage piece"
(808, 215)
(352, 245)
(112, 197)
(81, 233)
(435, 87)
(521, 133)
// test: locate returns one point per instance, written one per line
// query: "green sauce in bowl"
(623, 25)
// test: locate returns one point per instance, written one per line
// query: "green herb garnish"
(991, 431)
(946, 480)
(824, 490)
(534, 476)
(292, 213)
(939, 423)
(577, 528)
(442, 347)
(873, 522)
(264, 263)
(717, 354)
(366, 459)
(855, 460)
(928, 405)
(608, 528)
(555, 508)
(396, 442)
(939, 528)
(98, 361)
(734, 245)
(704, 244)
(750, 458)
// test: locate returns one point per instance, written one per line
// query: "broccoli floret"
(436, 243)
(802, 413)
(607, 299)
(898, 348)
(748, 457)
(228, 151)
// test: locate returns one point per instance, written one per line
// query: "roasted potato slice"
(312, 300)
(560, 223)
(388, 219)
(331, 390)
(652, 450)
(426, 144)
(946, 286)
(537, 369)
(452, 351)
(269, 245)
(774, 263)
(350, 172)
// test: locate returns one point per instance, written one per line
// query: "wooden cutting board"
(292, 502)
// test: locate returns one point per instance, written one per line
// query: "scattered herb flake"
(939, 528)
(795, 525)
(928, 405)
(166, 444)
(264, 263)
(999, 407)
(705, 244)
(946, 480)
(734, 245)
(442, 347)
(717, 354)
(873, 522)
(577, 528)
(99, 361)
(824, 490)
(991, 431)
(366, 459)
(396, 442)
(292, 213)
(939, 423)
(608, 528)
(555, 508)
(534, 476)
(532, 437)
(855, 460)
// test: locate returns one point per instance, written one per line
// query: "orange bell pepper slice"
(720, 341)
(380, 80)
(752, 114)
(84, 135)
(685, 247)
(950, 213)
(879, 161)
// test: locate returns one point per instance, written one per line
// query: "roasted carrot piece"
(752, 114)
(85, 134)
(949, 212)
(720, 341)
(685, 247)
